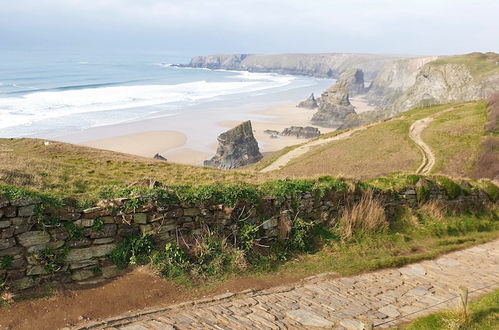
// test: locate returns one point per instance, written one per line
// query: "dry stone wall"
(74, 247)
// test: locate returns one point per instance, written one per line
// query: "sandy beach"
(278, 118)
(191, 140)
(145, 144)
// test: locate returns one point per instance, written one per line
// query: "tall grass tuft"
(365, 217)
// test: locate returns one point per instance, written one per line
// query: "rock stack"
(334, 106)
(236, 147)
(310, 103)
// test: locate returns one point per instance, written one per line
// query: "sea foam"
(33, 107)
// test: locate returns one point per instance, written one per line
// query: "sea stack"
(310, 103)
(236, 147)
(334, 106)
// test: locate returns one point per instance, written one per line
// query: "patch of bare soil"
(137, 290)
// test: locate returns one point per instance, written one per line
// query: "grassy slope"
(75, 170)
(480, 64)
(484, 316)
(381, 149)
(455, 137)
(384, 148)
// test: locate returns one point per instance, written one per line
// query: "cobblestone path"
(384, 298)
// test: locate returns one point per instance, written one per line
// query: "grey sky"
(256, 26)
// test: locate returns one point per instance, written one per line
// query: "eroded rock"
(334, 106)
(236, 147)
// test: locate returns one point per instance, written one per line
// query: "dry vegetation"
(379, 150)
(75, 170)
(365, 217)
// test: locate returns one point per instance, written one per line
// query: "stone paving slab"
(383, 298)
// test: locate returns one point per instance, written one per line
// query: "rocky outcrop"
(334, 107)
(316, 65)
(307, 132)
(450, 80)
(271, 132)
(159, 157)
(394, 79)
(236, 147)
(354, 79)
(310, 103)
(427, 81)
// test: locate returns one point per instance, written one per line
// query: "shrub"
(213, 256)
(247, 236)
(52, 260)
(76, 233)
(422, 193)
(363, 218)
(6, 262)
(492, 190)
(452, 188)
(134, 249)
(171, 262)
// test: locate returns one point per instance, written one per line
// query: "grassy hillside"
(384, 148)
(479, 64)
(75, 170)
(454, 136)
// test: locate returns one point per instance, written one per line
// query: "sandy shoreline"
(190, 140)
(145, 144)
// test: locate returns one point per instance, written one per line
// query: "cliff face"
(334, 106)
(354, 78)
(394, 79)
(236, 147)
(316, 65)
(451, 79)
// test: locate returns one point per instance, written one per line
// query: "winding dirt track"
(415, 134)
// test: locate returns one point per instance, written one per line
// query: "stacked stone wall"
(74, 247)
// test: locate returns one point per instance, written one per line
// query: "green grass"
(484, 316)
(270, 158)
(479, 64)
(455, 137)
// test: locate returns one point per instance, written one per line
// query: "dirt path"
(415, 134)
(384, 298)
(303, 149)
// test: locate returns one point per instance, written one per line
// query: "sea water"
(53, 93)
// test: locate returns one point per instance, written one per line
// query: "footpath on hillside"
(415, 132)
(383, 298)
(303, 149)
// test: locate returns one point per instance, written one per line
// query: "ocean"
(54, 93)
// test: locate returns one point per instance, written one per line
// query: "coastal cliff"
(451, 79)
(410, 83)
(316, 65)
(394, 79)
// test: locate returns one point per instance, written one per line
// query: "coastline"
(145, 144)
(191, 138)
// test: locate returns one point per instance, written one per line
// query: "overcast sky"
(254, 26)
